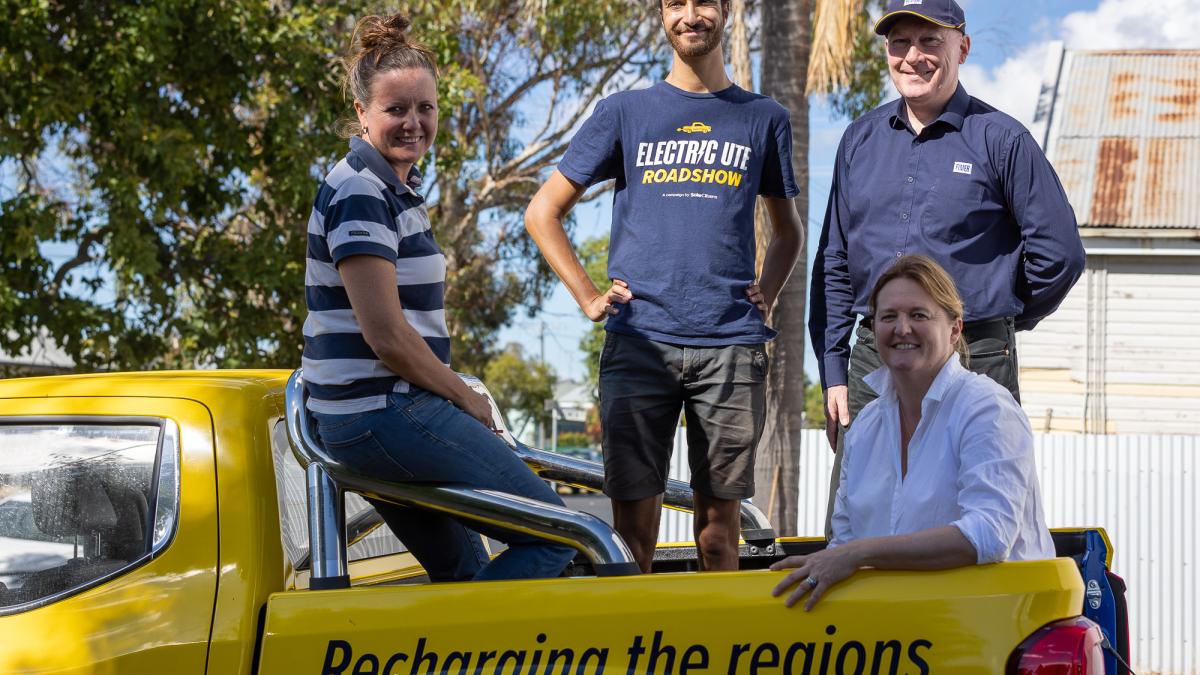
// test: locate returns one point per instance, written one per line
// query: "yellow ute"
(161, 526)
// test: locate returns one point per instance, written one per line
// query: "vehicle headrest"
(69, 502)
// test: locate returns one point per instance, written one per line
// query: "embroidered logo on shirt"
(359, 233)
(912, 2)
(695, 128)
(963, 168)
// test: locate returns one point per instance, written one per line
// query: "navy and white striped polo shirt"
(362, 208)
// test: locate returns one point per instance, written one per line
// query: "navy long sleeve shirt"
(973, 191)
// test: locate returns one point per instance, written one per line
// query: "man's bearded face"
(694, 27)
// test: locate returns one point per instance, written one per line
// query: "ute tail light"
(1067, 647)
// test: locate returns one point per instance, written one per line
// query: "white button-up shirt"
(970, 464)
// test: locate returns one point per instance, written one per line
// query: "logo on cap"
(912, 2)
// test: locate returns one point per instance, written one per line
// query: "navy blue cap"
(945, 13)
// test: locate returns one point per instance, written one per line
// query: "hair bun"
(381, 43)
(383, 32)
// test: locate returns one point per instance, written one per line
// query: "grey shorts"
(643, 386)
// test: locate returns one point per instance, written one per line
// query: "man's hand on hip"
(604, 305)
(837, 411)
(757, 298)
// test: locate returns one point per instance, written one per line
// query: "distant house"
(1122, 354)
(41, 357)
(574, 401)
(571, 403)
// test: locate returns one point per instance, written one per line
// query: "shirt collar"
(880, 380)
(950, 373)
(956, 109)
(379, 166)
(954, 114)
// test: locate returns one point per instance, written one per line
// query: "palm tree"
(796, 61)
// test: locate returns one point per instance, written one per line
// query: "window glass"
(293, 509)
(79, 502)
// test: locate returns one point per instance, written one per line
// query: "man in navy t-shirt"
(685, 316)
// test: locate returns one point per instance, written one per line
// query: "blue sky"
(1009, 43)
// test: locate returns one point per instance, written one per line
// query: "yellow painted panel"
(962, 621)
(154, 618)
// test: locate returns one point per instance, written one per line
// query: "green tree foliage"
(519, 385)
(529, 71)
(868, 67)
(172, 150)
(573, 439)
(170, 146)
(814, 405)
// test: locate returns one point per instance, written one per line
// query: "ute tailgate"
(962, 621)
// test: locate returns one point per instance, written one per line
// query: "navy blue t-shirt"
(688, 168)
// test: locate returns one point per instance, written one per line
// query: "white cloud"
(1119, 24)
(1013, 86)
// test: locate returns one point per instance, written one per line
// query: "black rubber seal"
(328, 583)
(624, 569)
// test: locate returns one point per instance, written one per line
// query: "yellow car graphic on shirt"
(695, 128)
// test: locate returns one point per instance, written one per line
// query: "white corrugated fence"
(1141, 489)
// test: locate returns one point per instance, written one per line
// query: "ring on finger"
(812, 582)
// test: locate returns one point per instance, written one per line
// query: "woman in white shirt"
(938, 471)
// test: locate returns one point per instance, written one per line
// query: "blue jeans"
(421, 436)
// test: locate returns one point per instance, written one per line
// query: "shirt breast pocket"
(953, 201)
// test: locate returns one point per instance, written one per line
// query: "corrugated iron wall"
(1141, 489)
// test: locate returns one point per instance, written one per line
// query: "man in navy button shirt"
(942, 174)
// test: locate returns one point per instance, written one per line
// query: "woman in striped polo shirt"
(376, 349)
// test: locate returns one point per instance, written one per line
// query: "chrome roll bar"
(581, 473)
(327, 479)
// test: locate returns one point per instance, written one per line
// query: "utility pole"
(542, 341)
(542, 359)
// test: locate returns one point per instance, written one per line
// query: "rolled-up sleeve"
(840, 528)
(1054, 256)
(994, 480)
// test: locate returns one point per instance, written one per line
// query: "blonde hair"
(932, 279)
(380, 44)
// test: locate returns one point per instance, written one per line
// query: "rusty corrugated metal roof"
(1125, 137)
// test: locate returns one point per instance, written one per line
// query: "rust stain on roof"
(1126, 138)
(1159, 198)
(1123, 95)
(1183, 101)
(1112, 203)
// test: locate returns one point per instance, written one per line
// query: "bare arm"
(544, 220)
(787, 241)
(937, 548)
(371, 285)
